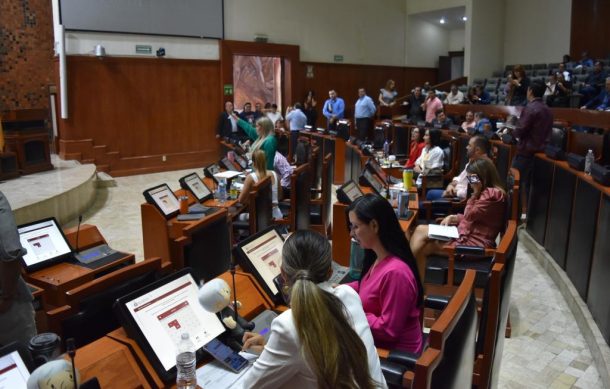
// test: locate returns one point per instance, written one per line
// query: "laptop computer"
(16, 364)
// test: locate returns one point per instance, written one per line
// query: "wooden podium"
(56, 280)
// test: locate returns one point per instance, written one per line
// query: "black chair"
(259, 208)
(321, 206)
(448, 361)
(296, 210)
(88, 315)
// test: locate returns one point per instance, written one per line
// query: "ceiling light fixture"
(464, 18)
(442, 20)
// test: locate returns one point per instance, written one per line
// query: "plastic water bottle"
(186, 377)
(386, 149)
(222, 191)
(589, 159)
(233, 192)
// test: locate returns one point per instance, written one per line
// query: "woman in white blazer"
(324, 340)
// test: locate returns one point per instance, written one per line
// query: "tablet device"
(45, 242)
(198, 188)
(210, 170)
(229, 165)
(164, 199)
(228, 357)
(243, 162)
(15, 365)
(349, 192)
(372, 180)
(261, 255)
(157, 315)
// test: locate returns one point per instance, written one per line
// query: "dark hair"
(537, 87)
(298, 106)
(267, 105)
(274, 105)
(439, 111)
(247, 103)
(482, 142)
(320, 318)
(435, 136)
(374, 207)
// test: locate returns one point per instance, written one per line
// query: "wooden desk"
(113, 363)
(56, 280)
(341, 242)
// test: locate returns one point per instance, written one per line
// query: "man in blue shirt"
(296, 120)
(334, 108)
(363, 114)
(602, 101)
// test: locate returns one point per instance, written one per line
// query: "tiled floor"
(546, 348)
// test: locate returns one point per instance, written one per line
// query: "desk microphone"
(71, 350)
(234, 289)
(80, 219)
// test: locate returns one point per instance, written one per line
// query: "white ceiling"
(453, 17)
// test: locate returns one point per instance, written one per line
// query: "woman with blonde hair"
(481, 222)
(260, 172)
(324, 340)
(387, 95)
(263, 136)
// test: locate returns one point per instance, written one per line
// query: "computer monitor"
(164, 199)
(261, 255)
(157, 315)
(230, 165)
(45, 242)
(210, 170)
(15, 365)
(377, 169)
(349, 192)
(198, 188)
(373, 181)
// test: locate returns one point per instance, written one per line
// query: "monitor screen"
(193, 184)
(378, 170)
(352, 191)
(13, 371)
(374, 181)
(162, 312)
(164, 199)
(261, 253)
(45, 243)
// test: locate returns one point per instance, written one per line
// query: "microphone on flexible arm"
(71, 350)
(80, 219)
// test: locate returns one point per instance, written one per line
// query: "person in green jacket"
(263, 136)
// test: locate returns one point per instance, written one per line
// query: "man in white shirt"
(273, 114)
(455, 96)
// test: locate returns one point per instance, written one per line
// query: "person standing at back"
(334, 109)
(532, 132)
(431, 106)
(297, 120)
(364, 112)
(17, 321)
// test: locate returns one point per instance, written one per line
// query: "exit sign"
(228, 89)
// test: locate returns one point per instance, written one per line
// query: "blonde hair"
(332, 348)
(267, 130)
(259, 163)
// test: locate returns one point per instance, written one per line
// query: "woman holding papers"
(483, 218)
(390, 288)
(324, 340)
(263, 136)
(260, 172)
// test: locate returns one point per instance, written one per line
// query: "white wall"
(425, 43)
(542, 33)
(484, 37)
(457, 40)
(417, 6)
(363, 31)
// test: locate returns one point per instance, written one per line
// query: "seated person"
(551, 84)
(284, 170)
(259, 172)
(455, 96)
(263, 136)
(567, 74)
(441, 120)
(561, 92)
(602, 101)
(594, 83)
(478, 147)
(468, 122)
(483, 124)
(417, 145)
(471, 96)
(431, 158)
(299, 348)
(483, 217)
(481, 96)
(390, 288)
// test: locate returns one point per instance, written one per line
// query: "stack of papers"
(438, 232)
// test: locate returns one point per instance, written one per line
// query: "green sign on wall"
(228, 89)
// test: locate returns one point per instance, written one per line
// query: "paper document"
(227, 174)
(436, 231)
(339, 273)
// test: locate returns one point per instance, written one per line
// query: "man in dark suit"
(227, 125)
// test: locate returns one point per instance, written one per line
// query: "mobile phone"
(225, 355)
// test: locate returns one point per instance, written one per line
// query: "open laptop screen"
(45, 243)
(156, 316)
(261, 255)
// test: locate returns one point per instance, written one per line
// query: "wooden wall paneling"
(560, 212)
(582, 235)
(590, 21)
(581, 142)
(141, 109)
(598, 298)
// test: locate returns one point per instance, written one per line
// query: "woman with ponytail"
(324, 340)
(390, 288)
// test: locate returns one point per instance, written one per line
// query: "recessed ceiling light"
(442, 20)
(464, 18)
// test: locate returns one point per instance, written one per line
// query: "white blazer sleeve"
(436, 158)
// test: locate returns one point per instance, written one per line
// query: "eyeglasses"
(473, 179)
